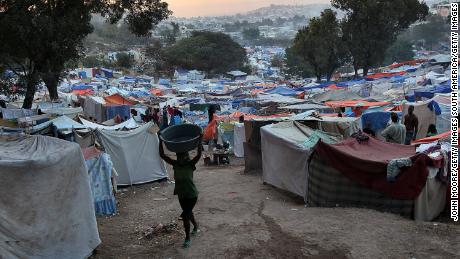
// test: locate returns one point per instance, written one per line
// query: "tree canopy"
(320, 45)
(371, 26)
(40, 36)
(214, 53)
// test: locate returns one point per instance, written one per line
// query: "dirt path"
(242, 218)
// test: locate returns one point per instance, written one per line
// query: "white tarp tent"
(134, 154)
(129, 124)
(46, 208)
(286, 147)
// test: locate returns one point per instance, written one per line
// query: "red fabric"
(411, 63)
(83, 92)
(386, 74)
(156, 92)
(118, 99)
(209, 132)
(433, 138)
(366, 163)
(336, 104)
(90, 152)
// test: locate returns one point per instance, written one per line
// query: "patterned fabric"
(328, 187)
(394, 167)
(100, 172)
(17, 113)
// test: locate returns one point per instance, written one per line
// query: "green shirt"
(395, 133)
(183, 175)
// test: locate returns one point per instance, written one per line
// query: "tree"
(214, 53)
(169, 35)
(155, 59)
(277, 61)
(124, 60)
(296, 65)
(40, 36)
(320, 44)
(401, 50)
(433, 31)
(251, 34)
(371, 26)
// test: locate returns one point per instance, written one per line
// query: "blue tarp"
(81, 87)
(113, 110)
(138, 94)
(107, 72)
(375, 120)
(284, 91)
(163, 81)
(429, 92)
(319, 86)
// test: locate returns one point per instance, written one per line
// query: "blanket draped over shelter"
(134, 154)
(366, 163)
(46, 208)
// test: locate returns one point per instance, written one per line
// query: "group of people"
(168, 117)
(406, 132)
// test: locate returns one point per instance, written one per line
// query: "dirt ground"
(240, 217)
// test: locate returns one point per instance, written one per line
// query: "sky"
(191, 8)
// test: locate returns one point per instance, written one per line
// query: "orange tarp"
(387, 74)
(432, 139)
(336, 104)
(257, 91)
(156, 92)
(410, 63)
(83, 92)
(118, 99)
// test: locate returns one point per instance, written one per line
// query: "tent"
(281, 90)
(336, 95)
(118, 99)
(355, 174)
(46, 206)
(134, 154)
(280, 144)
(425, 114)
(129, 124)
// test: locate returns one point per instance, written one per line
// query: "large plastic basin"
(181, 138)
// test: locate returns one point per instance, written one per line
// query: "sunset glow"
(190, 8)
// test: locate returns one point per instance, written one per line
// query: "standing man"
(396, 132)
(411, 123)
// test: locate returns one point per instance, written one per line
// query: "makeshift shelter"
(134, 154)
(117, 99)
(426, 114)
(286, 147)
(335, 95)
(357, 174)
(46, 206)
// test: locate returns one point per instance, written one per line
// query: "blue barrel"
(181, 138)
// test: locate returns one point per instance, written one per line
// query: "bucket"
(181, 138)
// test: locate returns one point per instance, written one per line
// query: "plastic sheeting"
(424, 114)
(285, 155)
(134, 154)
(129, 124)
(46, 205)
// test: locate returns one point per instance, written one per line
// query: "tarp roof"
(118, 99)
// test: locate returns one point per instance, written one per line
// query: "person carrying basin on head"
(184, 187)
